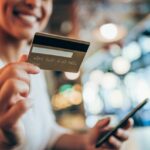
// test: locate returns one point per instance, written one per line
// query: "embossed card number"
(57, 53)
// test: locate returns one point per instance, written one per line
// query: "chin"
(25, 34)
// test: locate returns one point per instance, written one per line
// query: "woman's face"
(22, 18)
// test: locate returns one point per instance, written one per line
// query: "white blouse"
(40, 127)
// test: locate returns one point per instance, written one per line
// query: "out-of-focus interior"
(115, 75)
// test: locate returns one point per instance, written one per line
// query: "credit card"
(58, 53)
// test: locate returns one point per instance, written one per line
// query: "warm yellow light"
(74, 97)
(72, 121)
(66, 99)
(60, 102)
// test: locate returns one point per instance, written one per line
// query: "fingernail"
(119, 131)
(23, 58)
(104, 121)
(122, 132)
(37, 68)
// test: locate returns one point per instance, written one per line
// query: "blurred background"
(115, 75)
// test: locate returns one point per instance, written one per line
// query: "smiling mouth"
(26, 17)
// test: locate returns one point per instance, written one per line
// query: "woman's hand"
(14, 102)
(101, 128)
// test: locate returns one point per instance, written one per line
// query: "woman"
(26, 121)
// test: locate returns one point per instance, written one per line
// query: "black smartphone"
(121, 124)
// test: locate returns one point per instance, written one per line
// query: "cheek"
(47, 11)
(4, 20)
(2, 12)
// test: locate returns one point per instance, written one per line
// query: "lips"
(28, 17)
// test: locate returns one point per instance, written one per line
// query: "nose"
(33, 3)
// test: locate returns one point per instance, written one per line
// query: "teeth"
(27, 18)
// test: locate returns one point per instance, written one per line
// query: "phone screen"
(121, 124)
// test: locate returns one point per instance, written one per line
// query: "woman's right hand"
(14, 102)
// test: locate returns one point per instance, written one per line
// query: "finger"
(97, 130)
(114, 143)
(15, 113)
(19, 74)
(129, 124)
(12, 88)
(23, 58)
(28, 67)
(18, 70)
(107, 129)
(106, 146)
(122, 134)
(104, 131)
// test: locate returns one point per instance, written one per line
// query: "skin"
(24, 18)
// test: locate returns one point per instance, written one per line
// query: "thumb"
(97, 130)
(23, 58)
(102, 123)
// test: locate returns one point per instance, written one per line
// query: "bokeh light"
(96, 76)
(109, 31)
(91, 120)
(132, 51)
(121, 65)
(144, 42)
(72, 76)
(109, 81)
(142, 90)
(116, 99)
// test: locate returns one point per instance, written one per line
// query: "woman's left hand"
(101, 128)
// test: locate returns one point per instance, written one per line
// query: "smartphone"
(121, 124)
